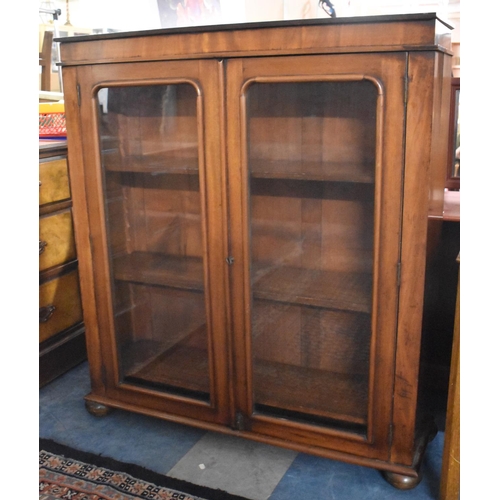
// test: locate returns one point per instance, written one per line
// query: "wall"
(107, 14)
(144, 14)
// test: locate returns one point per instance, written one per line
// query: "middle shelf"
(346, 291)
(187, 162)
(314, 170)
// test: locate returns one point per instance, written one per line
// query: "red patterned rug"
(69, 474)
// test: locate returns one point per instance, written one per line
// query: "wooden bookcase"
(252, 207)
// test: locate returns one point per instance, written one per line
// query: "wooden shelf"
(309, 391)
(312, 170)
(181, 367)
(314, 287)
(309, 287)
(287, 387)
(320, 393)
(181, 161)
(160, 269)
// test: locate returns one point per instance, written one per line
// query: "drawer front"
(60, 305)
(56, 240)
(54, 181)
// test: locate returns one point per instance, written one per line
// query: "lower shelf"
(184, 369)
(309, 391)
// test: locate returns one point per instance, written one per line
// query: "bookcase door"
(154, 197)
(315, 171)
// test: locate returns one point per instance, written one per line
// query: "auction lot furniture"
(61, 332)
(252, 208)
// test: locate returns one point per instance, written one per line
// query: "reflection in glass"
(456, 162)
(149, 154)
(311, 161)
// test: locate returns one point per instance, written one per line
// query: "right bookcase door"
(315, 172)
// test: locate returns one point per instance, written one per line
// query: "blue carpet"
(163, 446)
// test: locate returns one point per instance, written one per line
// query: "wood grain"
(54, 182)
(422, 108)
(362, 35)
(56, 233)
(64, 294)
(289, 225)
(59, 349)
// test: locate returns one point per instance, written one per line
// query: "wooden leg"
(400, 481)
(408, 481)
(97, 409)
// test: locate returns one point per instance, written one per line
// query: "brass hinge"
(406, 91)
(406, 81)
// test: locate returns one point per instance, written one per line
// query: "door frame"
(205, 76)
(387, 74)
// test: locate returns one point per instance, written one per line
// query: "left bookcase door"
(159, 261)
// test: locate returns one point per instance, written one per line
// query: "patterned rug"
(69, 474)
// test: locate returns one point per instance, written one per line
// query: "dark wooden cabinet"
(61, 331)
(252, 211)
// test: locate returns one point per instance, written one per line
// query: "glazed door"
(315, 169)
(154, 185)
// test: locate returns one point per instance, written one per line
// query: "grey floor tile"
(235, 465)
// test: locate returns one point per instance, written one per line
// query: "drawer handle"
(41, 246)
(46, 313)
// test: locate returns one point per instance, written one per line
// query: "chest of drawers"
(61, 331)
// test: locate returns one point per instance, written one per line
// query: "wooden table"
(450, 472)
(451, 210)
(449, 239)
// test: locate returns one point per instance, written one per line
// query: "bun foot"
(400, 481)
(97, 409)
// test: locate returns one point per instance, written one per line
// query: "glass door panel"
(311, 161)
(149, 149)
